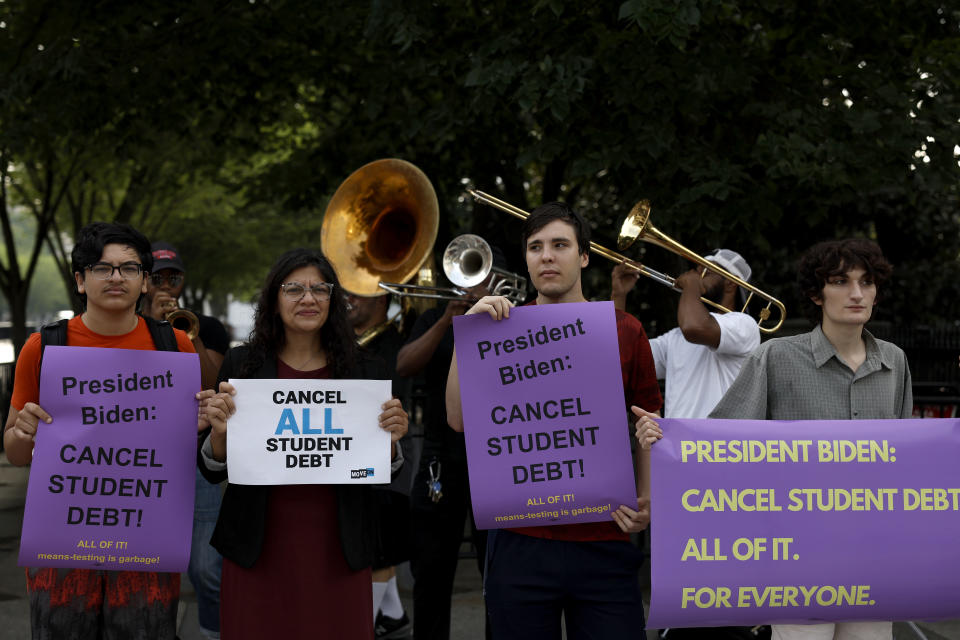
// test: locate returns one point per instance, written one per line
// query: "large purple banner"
(545, 423)
(112, 479)
(807, 521)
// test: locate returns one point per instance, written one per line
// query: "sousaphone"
(380, 224)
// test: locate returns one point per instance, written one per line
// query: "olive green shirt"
(803, 378)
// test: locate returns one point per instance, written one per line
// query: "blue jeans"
(205, 562)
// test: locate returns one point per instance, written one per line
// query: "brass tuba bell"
(380, 224)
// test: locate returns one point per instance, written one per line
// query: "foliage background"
(225, 127)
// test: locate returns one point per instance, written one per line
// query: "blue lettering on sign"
(289, 423)
(328, 421)
(306, 423)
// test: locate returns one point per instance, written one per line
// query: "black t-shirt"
(382, 352)
(438, 438)
(213, 334)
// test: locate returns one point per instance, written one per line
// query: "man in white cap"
(702, 356)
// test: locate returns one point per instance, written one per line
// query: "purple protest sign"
(806, 521)
(544, 417)
(112, 478)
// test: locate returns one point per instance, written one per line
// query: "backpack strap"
(54, 333)
(164, 339)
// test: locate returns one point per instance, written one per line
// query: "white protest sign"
(308, 432)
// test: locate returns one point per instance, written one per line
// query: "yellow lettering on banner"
(803, 596)
(855, 451)
(730, 500)
(735, 451)
(697, 549)
(931, 499)
(859, 499)
(706, 597)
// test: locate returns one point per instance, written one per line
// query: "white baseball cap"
(732, 262)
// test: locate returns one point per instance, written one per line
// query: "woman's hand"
(393, 419)
(631, 521)
(648, 429)
(215, 410)
(497, 306)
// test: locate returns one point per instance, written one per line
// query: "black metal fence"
(932, 353)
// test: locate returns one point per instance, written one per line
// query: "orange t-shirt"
(26, 382)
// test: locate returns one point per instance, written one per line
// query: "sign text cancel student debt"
(308, 432)
(545, 422)
(112, 478)
(804, 521)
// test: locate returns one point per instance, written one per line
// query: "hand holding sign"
(631, 521)
(215, 409)
(393, 420)
(28, 419)
(498, 307)
(648, 430)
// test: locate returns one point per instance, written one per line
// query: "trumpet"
(467, 261)
(174, 314)
(637, 226)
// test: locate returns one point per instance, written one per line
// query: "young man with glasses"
(111, 264)
(166, 283)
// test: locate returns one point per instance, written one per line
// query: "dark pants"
(437, 531)
(531, 582)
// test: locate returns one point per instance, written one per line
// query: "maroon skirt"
(300, 586)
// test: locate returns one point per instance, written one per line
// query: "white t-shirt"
(697, 376)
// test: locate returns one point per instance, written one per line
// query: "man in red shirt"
(111, 264)
(587, 573)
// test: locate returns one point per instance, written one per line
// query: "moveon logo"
(362, 473)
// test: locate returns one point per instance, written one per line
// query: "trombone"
(637, 226)
(467, 261)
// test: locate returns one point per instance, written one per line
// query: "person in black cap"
(164, 287)
(163, 291)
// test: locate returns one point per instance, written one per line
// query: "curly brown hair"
(836, 257)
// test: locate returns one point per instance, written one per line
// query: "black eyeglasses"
(173, 279)
(104, 270)
(294, 291)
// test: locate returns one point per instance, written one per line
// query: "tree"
(114, 111)
(761, 126)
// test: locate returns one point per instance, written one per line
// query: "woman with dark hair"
(296, 557)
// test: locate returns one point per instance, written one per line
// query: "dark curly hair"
(547, 213)
(93, 237)
(268, 335)
(835, 257)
